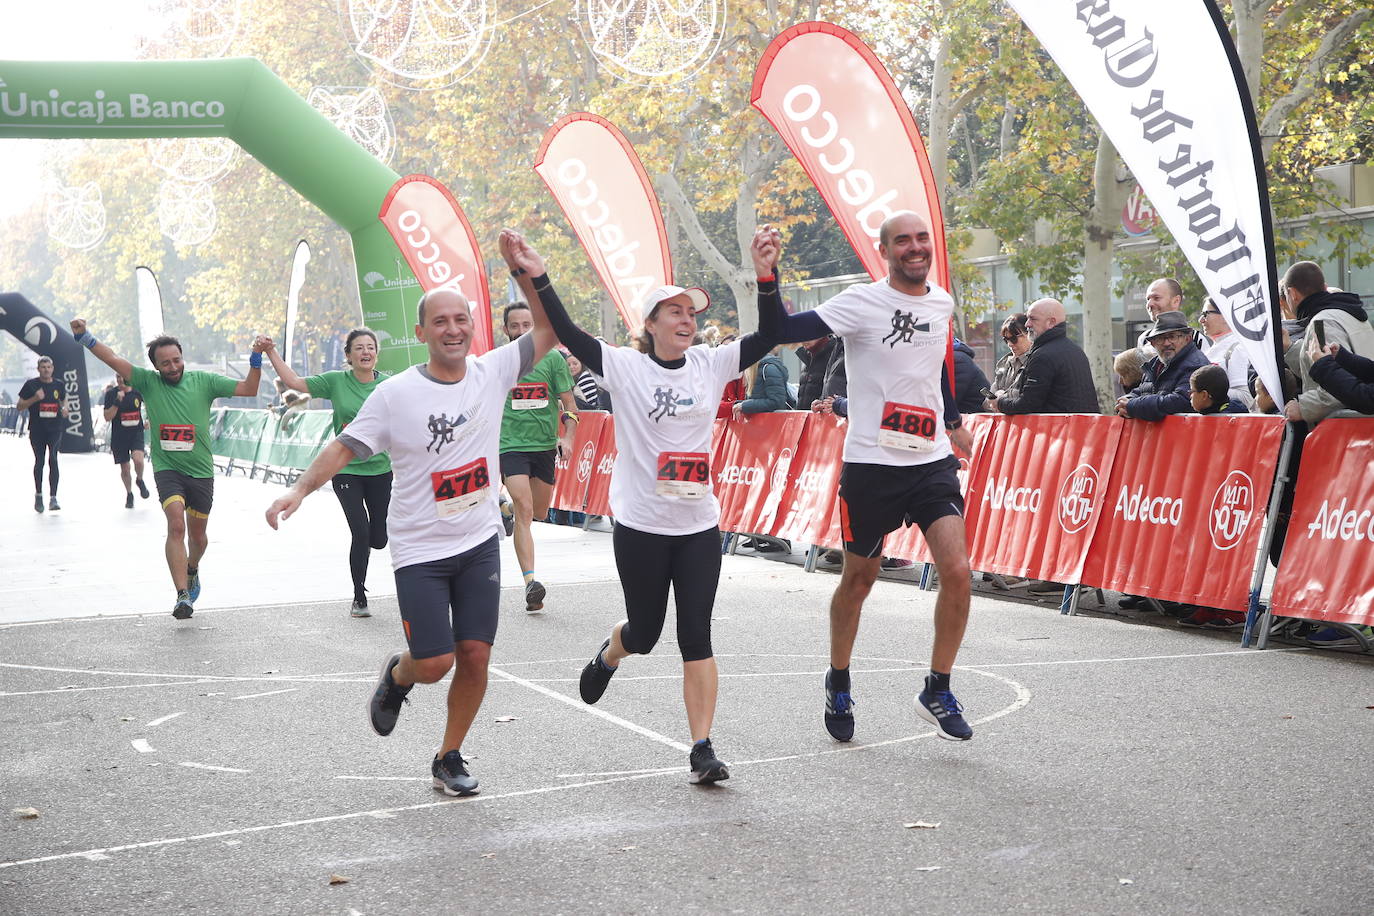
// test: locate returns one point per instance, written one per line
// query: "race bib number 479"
(529, 397)
(684, 474)
(907, 427)
(460, 489)
(177, 438)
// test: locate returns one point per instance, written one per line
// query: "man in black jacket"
(815, 359)
(969, 380)
(1163, 388)
(1058, 378)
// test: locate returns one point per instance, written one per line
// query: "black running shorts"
(197, 493)
(528, 464)
(468, 585)
(122, 446)
(876, 499)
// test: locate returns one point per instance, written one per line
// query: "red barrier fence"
(1170, 510)
(1327, 570)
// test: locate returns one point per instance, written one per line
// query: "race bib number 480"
(907, 427)
(460, 489)
(529, 397)
(177, 438)
(684, 474)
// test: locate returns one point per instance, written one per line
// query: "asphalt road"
(223, 764)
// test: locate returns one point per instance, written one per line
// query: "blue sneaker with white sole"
(941, 709)
(839, 712)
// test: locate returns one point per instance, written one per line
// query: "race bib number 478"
(177, 438)
(907, 427)
(460, 489)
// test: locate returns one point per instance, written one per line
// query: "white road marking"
(142, 746)
(724, 675)
(167, 718)
(270, 693)
(1023, 697)
(30, 693)
(617, 773)
(1135, 658)
(593, 711)
(387, 778)
(208, 766)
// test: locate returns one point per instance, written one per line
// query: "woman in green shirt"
(364, 487)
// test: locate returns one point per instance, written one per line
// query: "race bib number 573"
(460, 489)
(907, 427)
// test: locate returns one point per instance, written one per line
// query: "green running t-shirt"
(343, 390)
(526, 427)
(179, 418)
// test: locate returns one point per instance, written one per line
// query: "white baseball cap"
(696, 295)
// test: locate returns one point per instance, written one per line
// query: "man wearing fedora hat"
(1163, 388)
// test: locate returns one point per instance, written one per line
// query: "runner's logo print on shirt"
(903, 326)
(666, 404)
(441, 430)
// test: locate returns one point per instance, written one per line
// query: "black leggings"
(648, 564)
(364, 500)
(45, 442)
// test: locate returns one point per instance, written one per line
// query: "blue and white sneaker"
(839, 712)
(193, 584)
(451, 775)
(941, 709)
(1334, 638)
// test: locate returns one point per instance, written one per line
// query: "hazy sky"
(56, 30)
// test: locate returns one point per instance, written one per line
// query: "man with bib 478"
(899, 467)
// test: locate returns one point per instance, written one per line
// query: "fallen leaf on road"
(27, 814)
(1287, 717)
(928, 868)
(272, 671)
(488, 855)
(1124, 881)
(339, 879)
(627, 848)
(920, 825)
(126, 718)
(505, 718)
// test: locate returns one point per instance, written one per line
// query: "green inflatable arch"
(240, 99)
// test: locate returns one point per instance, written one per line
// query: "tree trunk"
(1098, 232)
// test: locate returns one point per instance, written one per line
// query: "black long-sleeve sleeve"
(1348, 377)
(952, 418)
(579, 343)
(776, 326)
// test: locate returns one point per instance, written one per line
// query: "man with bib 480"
(178, 404)
(529, 439)
(899, 467)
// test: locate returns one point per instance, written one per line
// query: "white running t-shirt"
(662, 479)
(444, 439)
(894, 351)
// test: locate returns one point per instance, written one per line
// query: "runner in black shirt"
(123, 411)
(45, 401)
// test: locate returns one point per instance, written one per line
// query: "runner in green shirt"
(364, 486)
(178, 404)
(529, 437)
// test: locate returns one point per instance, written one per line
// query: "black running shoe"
(939, 708)
(839, 712)
(384, 706)
(451, 775)
(359, 608)
(534, 596)
(52, 504)
(128, 500)
(38, 502)
(596, 676)
(706, 767)
(142, 488)
(183, 609)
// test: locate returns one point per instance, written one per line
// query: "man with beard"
(42, 397)
(899, 467)
(1164, 388)
(178, 403)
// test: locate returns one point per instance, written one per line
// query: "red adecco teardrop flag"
(437, 242)
(598, 180)
(830, 98)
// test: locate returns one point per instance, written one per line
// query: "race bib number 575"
(907, 427)
(460, 489)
